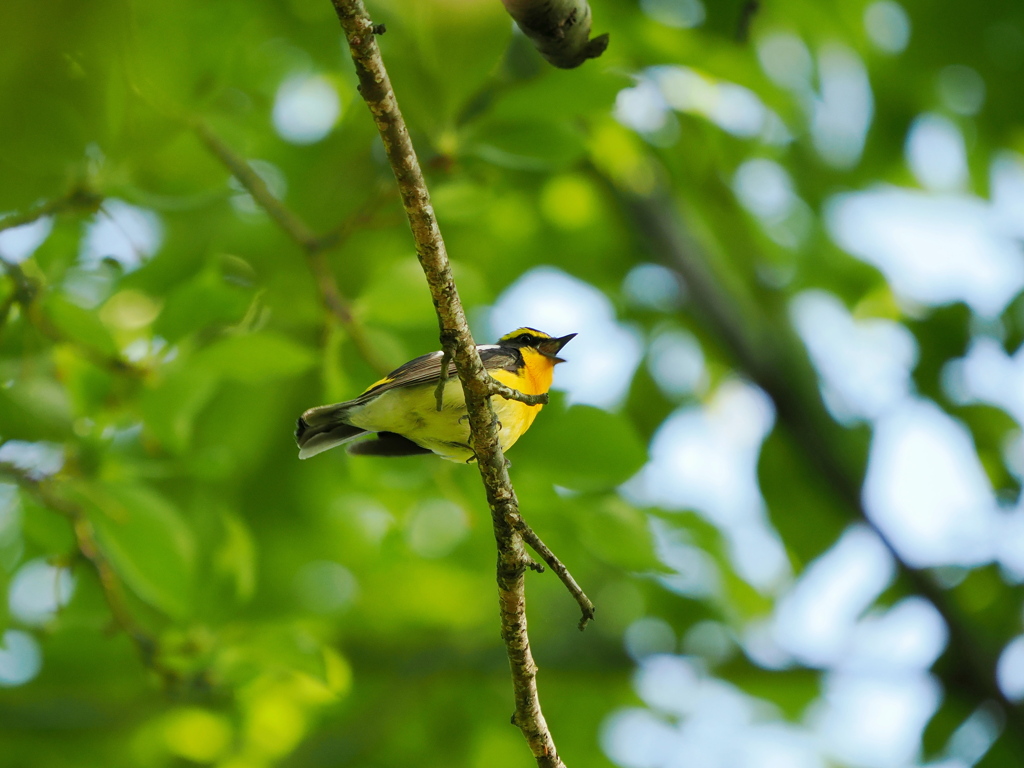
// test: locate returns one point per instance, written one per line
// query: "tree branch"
(456, 340)
(560, 29)
(78, 198)
(313, 246)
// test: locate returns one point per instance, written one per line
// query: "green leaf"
(584, 448)
(235, 559)
(203, 302)
(533, 145)
(171, 407)
(618, 533)
(147, 542)
(46, 529)
(77, 324)
(35, 408)
(396, 295)
(254, 358)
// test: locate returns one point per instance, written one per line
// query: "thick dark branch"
(456, 340)
(313, 246)
(560, 29)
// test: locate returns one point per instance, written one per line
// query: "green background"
(342, 611)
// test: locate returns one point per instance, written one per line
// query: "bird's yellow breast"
(534, 378)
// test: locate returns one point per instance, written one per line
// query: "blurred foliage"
(235, 607)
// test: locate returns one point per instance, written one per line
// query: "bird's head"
(531, 338)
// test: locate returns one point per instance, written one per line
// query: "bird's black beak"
(551, 347)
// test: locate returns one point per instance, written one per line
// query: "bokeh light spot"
(435, 527)
(306, 108)
(684, 14)
(676, 362)
(18, 243)
(764, 188)
(648, 636)
(123, 232)
(887, 25)
(20, 658)
(785, 59)
(844, 108)
(38, 590)
(936, 153)
(326, 587)
(1010, 669)
(653, 286)
(962, 89)
(196, 734)
(569, 202)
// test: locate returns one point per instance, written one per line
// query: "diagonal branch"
(456, 341)
(313, 246)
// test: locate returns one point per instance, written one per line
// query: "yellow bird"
(402, 407)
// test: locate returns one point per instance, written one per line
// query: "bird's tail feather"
(322, 428)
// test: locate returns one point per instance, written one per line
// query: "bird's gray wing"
(426, 369)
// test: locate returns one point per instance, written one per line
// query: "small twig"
(78, 198)
(254, 184)
(497, 388)
(542, 549)
(494, 387)
(442, 379)
(314, 247)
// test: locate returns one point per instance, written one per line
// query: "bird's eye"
(525, 338)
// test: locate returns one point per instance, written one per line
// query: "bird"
(402, 407)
